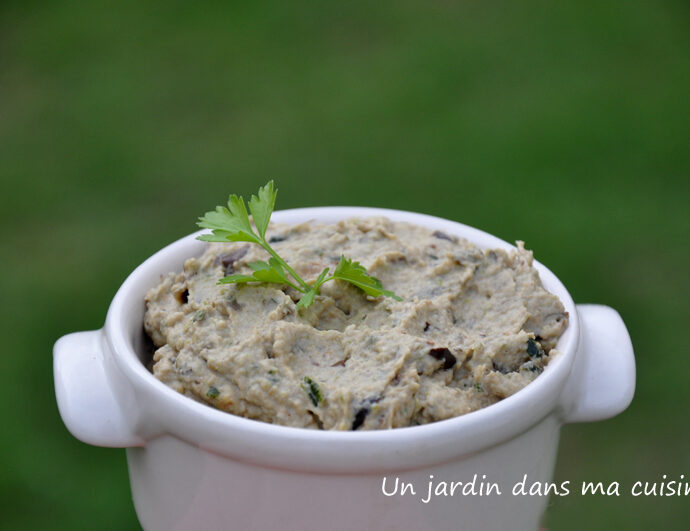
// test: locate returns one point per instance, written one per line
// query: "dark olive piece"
(534, 348)
(443, 354)
(499, 368)
(359, 417)
(229, 259)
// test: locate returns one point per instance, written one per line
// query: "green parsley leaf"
(308, 298)
(261, 207)
(232, 224)
(228, 224)
(271, 271)
(354, 273)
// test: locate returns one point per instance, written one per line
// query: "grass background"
(562, 125)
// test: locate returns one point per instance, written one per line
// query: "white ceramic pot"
(194, 467)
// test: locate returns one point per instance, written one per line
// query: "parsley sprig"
(232, 224)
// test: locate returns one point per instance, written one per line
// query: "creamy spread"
(473, 327)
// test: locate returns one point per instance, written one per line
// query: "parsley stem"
(283, 263)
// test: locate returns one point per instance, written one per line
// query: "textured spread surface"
(473, 327)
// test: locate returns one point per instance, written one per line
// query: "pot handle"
(602, 382)
(86, 399)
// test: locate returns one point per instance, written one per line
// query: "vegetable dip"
(473, 327)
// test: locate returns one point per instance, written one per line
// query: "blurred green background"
(566, 126)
